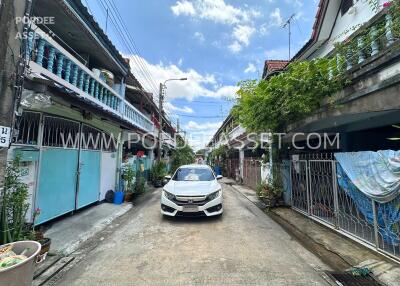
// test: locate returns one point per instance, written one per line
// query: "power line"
(128, 44)
(130, 40)
(124, 40)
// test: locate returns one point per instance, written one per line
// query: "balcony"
(236, 132)
(52, 61)
(370, 43)
(168, 139)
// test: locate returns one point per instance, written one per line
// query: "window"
(193, 174)
(28, 128)
(346, 5)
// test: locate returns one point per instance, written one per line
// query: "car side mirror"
(167, 177)
(219, 177)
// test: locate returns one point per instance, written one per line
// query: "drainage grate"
(347, 279)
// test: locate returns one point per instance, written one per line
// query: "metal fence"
(317, 194)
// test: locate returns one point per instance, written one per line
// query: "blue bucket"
(118, 198)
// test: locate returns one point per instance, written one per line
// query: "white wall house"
(335, 21)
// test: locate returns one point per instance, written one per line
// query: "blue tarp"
(382, 172)
(376, 174)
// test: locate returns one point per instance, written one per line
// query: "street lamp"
(160, 111)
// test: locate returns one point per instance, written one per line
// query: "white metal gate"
(317, 194)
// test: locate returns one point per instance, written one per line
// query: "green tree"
(182, 155)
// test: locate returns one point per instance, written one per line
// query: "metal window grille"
(109, 142)
(91, 138)
(28, 128)
(59, 132)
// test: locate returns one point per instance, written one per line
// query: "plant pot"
(21, 274)
(128, 197)
(45, 243)
(270, 202)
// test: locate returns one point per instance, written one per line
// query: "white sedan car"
(192, 191)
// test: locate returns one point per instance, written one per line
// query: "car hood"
(189, 188)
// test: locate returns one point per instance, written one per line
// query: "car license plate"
(190, 209)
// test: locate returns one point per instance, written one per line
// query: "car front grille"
(190, 200)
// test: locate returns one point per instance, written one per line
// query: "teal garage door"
(89, 166)
(89, 178)
(59, 160)
(57, 185)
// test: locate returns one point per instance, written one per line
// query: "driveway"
(243, 247)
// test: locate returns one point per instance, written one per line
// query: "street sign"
(5, 133)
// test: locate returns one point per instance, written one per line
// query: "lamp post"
(160, 113)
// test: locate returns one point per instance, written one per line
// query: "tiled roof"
(273, 66)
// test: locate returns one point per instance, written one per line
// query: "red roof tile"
(274, 65)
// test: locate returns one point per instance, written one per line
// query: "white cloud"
(217, 11)
(297, 3)
(192, 125)
(200, 134)
(199, 36)
(183, 8)
(197, 84)
(169, 107)
(250, 68)
(214, 10)
(243, 33)
(276, 17)
(235, 47)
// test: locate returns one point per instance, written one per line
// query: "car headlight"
(214, 195)
(169, 195)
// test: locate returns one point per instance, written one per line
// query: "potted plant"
(14, 205)
(268, 193)
(128, 175)
(140, 184)
(158, 173)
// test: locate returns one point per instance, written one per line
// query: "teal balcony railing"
(370, 41)
(50, 59)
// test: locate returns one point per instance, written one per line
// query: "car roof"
(196, 166)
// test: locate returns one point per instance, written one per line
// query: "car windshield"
(193, 174)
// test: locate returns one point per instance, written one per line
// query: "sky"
(214, 43)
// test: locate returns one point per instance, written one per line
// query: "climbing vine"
(283, 99)
(273, 104)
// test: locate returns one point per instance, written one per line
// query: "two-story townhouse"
(362, 115)
(365, 110)
(76, 112)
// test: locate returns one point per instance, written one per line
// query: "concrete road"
(243, 247)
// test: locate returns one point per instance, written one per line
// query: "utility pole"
(12, 57)
(160, 120)
(160, 112)
(288, 23)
